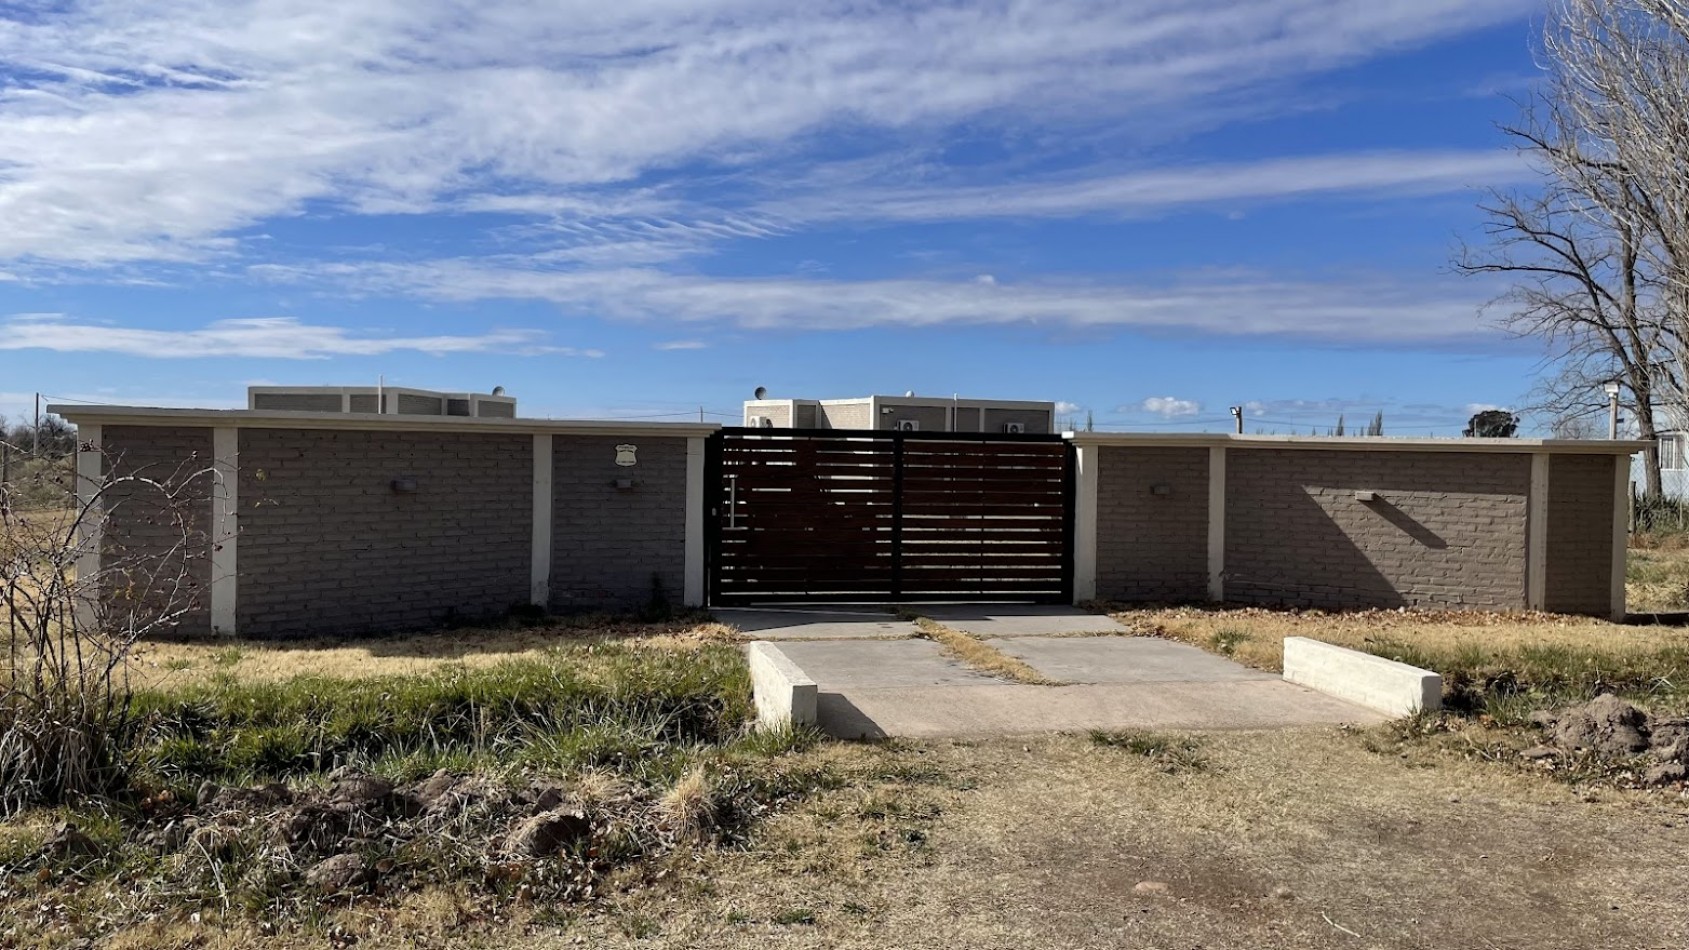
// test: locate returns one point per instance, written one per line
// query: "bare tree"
(1599, 258)
(1579, 285)
(70, 627)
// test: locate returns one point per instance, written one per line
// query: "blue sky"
(1146, 210)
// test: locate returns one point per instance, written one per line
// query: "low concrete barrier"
(1395, 689)
(784, 695)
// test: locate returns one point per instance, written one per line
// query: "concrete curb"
(784, 694)
(1392, 688)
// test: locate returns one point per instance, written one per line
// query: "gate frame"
(714, 490)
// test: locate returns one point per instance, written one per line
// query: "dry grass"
(1657, 576)
(1280, 841)
(1255, 636)
(163, 663)
(976, 654)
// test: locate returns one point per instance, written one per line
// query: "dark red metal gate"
(837, 515)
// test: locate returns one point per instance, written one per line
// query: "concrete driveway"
(876, 680)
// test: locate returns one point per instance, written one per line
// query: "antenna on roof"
(909, 393)
(761, 393)
(498, 390)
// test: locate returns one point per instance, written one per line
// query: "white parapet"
(785, 696)
(1392, 688)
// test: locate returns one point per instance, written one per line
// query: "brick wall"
(153, 535)
(1580, 534)
(1031, 420)
(929, 418)
(608, 541)
(1448, 528)
(327, 546)
(848, 415)
(1152, 547)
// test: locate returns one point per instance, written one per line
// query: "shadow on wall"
(1408, 525)
(1295, 541)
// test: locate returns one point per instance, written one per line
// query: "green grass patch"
(1226, 640)
(1509, 684)
(603, 705)
(1170, 754)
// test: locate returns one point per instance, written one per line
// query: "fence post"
(897, 514)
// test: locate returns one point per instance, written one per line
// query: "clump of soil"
(1611, 728)
(363, 835)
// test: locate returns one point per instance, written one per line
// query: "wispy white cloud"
(1170, 407)
(160, 131)
(1375, 174)
(1224, 304)
(1067, 408)
(261, 337)
(682, 345)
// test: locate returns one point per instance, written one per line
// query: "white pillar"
(693, 590)
(1621, 534)
(1217, 523)
(1536, 534)
(225, 529)
(1085, 523)
(539, 576)
(90, 476)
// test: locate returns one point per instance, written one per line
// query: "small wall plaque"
(625, 456)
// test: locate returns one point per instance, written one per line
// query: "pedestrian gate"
(864, 516)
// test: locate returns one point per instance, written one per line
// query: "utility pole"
(1613, 411)
(35, 442)
(1237, 413)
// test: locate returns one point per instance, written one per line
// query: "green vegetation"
(605, 705)
(243, 797)
(1169, 754)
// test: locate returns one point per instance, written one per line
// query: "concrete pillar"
(539, 575)
(693, 589)
(1621, 534)
(225, 529)
(90, 477)
(1217, 523)
(1536, 534)
(1085, 523)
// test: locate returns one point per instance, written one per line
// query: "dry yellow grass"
(1256, 637)
(160, 663)
(978, 655)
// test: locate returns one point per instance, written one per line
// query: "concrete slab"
(1124, 660)
(844, 665)
(1019, 620)
(796, 623)
(1007, 709)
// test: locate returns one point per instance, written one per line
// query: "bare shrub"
(65, 696)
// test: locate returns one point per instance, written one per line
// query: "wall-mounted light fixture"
(1367, 496)
(1161, 488)
(404, 485)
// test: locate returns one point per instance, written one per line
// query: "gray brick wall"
(929, 418)
(1032, 420)
(411, 404)
(1448, 528)
(298, 402)
(152, 535)
(607, 542)
(1152, 547)
(779, 416)
(848, 415)
(328, 547)
(1579, 568)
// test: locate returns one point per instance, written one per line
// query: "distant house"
(381, 400)
(908, 413)
(1674, 466)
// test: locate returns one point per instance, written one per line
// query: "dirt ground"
(1289, 839)
(1298, 839)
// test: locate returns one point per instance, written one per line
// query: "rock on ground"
(548, 833)
(1606, 725)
